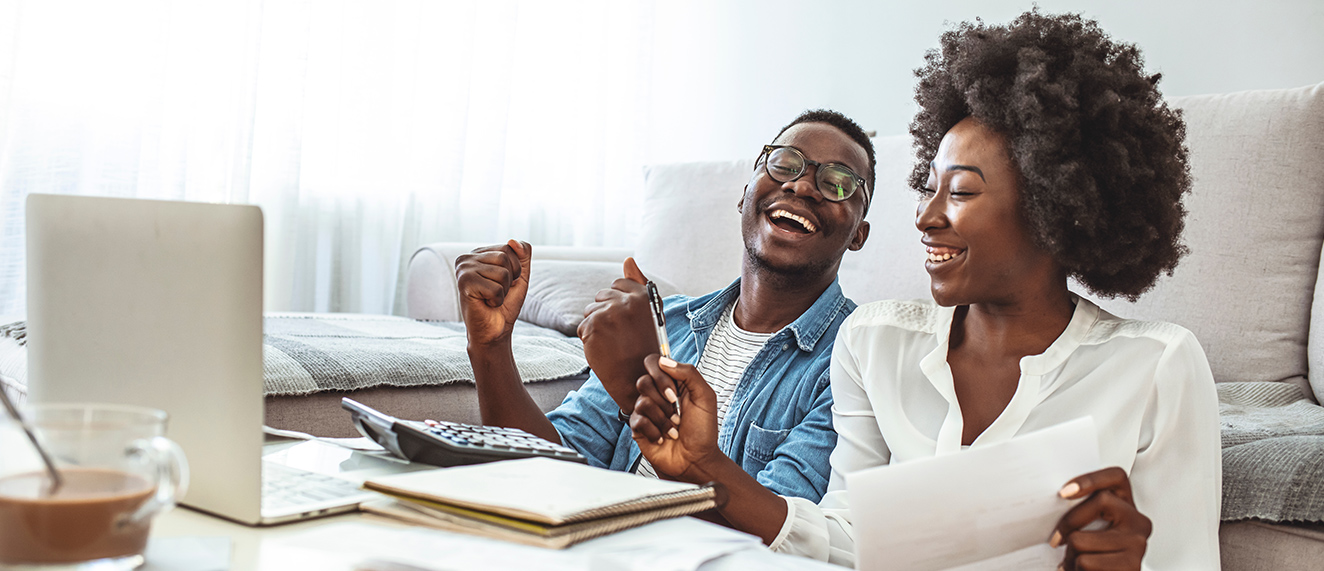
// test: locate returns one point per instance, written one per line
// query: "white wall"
(726, 75)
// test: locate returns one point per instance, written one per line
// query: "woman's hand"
(1119, 545)
(678, 446)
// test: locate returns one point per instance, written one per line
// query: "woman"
(1045, 153)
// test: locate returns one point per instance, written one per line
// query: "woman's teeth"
(934, 257)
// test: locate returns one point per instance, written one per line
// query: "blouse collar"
(1030, 390)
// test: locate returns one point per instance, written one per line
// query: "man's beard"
(790, 272)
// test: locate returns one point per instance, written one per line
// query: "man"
(764, 343)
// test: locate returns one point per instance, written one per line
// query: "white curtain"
(362, 128)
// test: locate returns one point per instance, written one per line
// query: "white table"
(246, 542)
(318, 544)
(276, 547)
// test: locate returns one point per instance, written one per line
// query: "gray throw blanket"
(1273, 453)
(309, 353)
(305, 353)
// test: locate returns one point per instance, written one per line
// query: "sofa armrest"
(430, 289)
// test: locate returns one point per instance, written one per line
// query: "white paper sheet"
(972, 506)
(368, 547)
(680, 544)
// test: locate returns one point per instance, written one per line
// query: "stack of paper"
(534, 501)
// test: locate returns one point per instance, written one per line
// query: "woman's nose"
(929, 214)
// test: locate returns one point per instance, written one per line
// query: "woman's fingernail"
(673, 433)
(666, 362)
(1056, 540)
(659, 441)
(670, 394)
(675, 419)
(1069, 490)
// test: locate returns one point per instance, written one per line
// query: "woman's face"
(978, 248)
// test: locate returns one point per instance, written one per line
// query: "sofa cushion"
(690, 232)
(891, 263)
(1315, 349)
(1262, 546)
(1255, 230)
(559, 290)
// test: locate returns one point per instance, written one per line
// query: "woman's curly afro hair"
(1102, 158)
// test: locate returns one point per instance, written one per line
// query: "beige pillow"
(559, 290)
(1255, 230)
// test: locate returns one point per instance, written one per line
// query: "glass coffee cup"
(118, 471)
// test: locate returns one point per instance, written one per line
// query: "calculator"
(451, 443)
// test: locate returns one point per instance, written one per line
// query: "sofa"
(1250, 289)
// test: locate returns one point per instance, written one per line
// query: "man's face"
(790, 228)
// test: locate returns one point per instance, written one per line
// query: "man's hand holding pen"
(618, 332)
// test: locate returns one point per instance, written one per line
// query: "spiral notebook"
(535, 501)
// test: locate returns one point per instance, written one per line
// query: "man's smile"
(791, 219)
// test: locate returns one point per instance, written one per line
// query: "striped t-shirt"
(728, 352)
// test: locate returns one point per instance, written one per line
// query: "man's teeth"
(800, 219)
(942, 257)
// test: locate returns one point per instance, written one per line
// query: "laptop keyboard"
(286, 489)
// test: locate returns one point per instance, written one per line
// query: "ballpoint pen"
(660, 324)
(659, 320)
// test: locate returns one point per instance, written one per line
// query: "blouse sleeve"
(823, 531)
(1177, 475)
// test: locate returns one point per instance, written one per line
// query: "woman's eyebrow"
(970, 168)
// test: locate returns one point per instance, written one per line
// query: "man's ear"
(861, 236)
(740, 206)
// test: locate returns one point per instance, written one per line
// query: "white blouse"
(1147, 385)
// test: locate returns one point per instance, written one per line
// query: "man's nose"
(807, 185)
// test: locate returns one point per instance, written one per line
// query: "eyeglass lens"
(835, 182)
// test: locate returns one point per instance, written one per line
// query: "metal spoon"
(56, 480)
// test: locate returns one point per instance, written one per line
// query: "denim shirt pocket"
(760, 445)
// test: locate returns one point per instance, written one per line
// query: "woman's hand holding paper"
(1119, 545)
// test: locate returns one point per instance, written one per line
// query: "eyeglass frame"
(767, 152)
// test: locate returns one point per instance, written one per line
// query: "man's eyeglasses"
(835, 181)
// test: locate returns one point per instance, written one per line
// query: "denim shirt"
(778, 427)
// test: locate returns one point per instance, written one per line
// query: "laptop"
(159, 304)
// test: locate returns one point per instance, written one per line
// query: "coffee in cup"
(117, 473)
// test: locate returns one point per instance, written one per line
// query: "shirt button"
(786, 346)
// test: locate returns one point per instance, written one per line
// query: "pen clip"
(655, 300)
